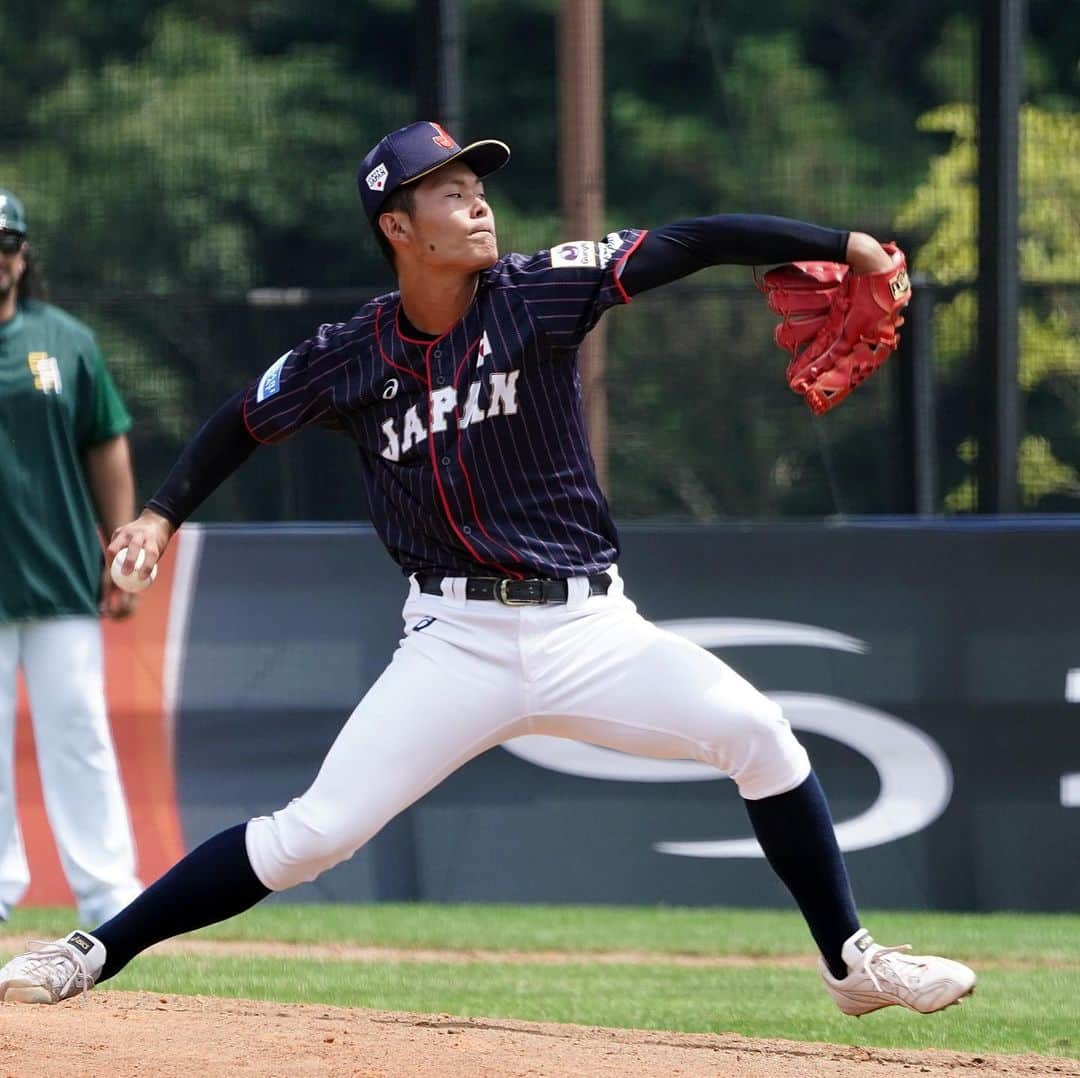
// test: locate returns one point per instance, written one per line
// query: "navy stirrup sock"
(212, 883)
(796, 832)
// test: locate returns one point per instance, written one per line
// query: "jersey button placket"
(440, 378)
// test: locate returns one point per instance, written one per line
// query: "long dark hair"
(32, 284)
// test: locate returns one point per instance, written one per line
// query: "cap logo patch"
(441, 138)
(376, 178)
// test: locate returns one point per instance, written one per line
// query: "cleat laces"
(52, 962)
(892, 964)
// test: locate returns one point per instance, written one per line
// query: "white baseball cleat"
(54, 971)
(886, 976)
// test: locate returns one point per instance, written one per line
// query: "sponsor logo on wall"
(913, 771)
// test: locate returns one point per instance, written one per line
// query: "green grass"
(1032, 1007)
(581, 929)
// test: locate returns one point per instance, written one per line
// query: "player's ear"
(394, 225)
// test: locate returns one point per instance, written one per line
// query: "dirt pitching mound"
(129, 1034)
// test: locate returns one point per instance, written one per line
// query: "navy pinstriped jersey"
(473, 444)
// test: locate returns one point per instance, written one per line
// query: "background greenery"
(179, 159)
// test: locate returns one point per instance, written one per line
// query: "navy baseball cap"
(12, 214)
(410, 153)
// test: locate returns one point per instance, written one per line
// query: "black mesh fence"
(702, 424)
(189, 170)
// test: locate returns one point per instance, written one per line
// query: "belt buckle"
(502, 594)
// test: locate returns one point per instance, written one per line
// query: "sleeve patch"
(608, 247)
(270, 382)
(578, 254)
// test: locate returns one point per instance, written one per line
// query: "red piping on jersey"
(417, 340)
(438, 478)
(428, 347)
(426, 383)
(626, 297)
(243, 415)
(464, 470)
(386, 359)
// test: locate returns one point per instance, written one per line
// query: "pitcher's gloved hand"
(839, 326)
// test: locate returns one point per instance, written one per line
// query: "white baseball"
(132, 582)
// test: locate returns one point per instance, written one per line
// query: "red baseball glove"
(838, 326)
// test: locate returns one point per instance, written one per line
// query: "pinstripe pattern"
(473, 445)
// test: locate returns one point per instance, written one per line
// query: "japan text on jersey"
(473, 444)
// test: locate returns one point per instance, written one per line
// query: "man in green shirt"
(65, 469)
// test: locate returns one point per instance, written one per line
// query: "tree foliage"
(944, 209)
(176, 155)
(181, 163)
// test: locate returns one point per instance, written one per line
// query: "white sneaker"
(54, 971)
(883, 976)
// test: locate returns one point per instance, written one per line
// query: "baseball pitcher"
(461, 391)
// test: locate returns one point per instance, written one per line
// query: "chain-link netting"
(189, 171)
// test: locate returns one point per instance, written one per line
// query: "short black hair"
(404, 198)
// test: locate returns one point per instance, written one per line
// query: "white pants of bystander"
(62, 662)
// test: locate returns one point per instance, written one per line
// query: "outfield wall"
(928, 667)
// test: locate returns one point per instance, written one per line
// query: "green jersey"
(56, 401)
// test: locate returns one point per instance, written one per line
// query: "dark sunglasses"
(11, 242)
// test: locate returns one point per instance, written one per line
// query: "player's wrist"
(865, 255)
(161, 523)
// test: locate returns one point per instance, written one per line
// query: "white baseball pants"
(63, 664)
(468, 675)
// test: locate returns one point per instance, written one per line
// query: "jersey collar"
(407, 333)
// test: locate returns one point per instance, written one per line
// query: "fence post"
(998, 416)
(923, 399)
(440, 79)
(581, 152)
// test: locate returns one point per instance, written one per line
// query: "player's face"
(452, 224)
(12, 262)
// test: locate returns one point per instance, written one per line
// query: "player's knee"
(760, 752)
(296, 845)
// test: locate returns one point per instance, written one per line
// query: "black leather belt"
(514, 592)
